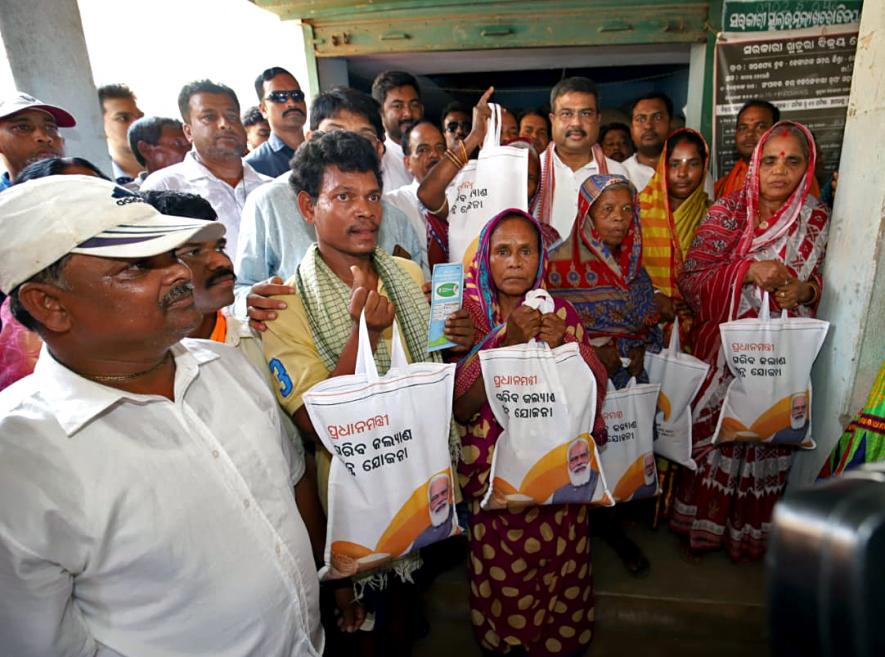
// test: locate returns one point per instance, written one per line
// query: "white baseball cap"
(43, 220)
(21, 102)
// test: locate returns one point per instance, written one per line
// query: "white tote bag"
(680, 375)
(545, 401)
(769, 400)
(495, 181)
(391, 490)
(628, 458)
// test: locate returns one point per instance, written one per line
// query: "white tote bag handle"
(398, 359)
(493, 127)
(674, 347)
(365, 359)
(764, 312)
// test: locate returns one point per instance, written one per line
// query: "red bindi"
(782, 153)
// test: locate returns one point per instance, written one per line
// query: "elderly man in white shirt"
(573, 155)
(214, 168)
(399, 96)
(147, 482)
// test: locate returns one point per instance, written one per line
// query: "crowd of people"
(169, 495)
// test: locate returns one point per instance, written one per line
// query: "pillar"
(853, 298)
(47, 55)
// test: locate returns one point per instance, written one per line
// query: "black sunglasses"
(282, 96)
(452, 126)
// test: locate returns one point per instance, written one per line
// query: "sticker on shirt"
(281, 376)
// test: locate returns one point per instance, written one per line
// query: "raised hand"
(364, 296)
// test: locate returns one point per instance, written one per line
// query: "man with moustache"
(29, 132)
(157, 142)
(573, 155)
(399, 96)
(281, 102)
(149, 474)
(534, 126)
(275, 236)
(754, 118)
(456, 124)
(214, 168)
(650, 126)
(423, 146)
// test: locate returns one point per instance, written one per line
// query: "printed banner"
(806, 74)
(776, 15)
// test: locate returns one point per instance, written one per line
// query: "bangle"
(464, 155)
(454, 159)
(440, 208)
(815, 293)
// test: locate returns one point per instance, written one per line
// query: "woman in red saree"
(771, 236)
(530, 576)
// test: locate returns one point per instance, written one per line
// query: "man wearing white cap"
(29, 132)
(147, 483)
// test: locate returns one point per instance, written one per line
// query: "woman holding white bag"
(530, 576)
(771, 236)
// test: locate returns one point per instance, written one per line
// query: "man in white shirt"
(400, 98)
(214, 168)
(423, 146)
(147, 482)
(573, 155)
(651, 123)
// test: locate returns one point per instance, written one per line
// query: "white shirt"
(567, 184)
(135, 526)
(393, 171)
(406, 199)
(240, 335)
(191, 175)
(641, 174)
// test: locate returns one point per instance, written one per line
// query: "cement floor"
(681, 609)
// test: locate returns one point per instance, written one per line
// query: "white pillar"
(854, 271)
(48, 58)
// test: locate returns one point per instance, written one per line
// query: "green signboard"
(775, 15)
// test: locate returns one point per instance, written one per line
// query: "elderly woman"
(598, 270)
(530, 576)
(771, 235)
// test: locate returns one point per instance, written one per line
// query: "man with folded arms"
(154, 511)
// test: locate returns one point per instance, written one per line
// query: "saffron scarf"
(733, 182)
(667, 235)
(542, 205)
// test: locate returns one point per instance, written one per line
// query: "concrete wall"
(48, 58)
(854, 273)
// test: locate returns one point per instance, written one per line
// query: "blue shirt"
(272, 157)
(5, 181)
(274, 237)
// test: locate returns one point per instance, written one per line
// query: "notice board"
(805, 73)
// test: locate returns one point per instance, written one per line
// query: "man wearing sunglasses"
(281, 102)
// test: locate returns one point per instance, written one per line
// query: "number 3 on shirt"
(281, 376)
